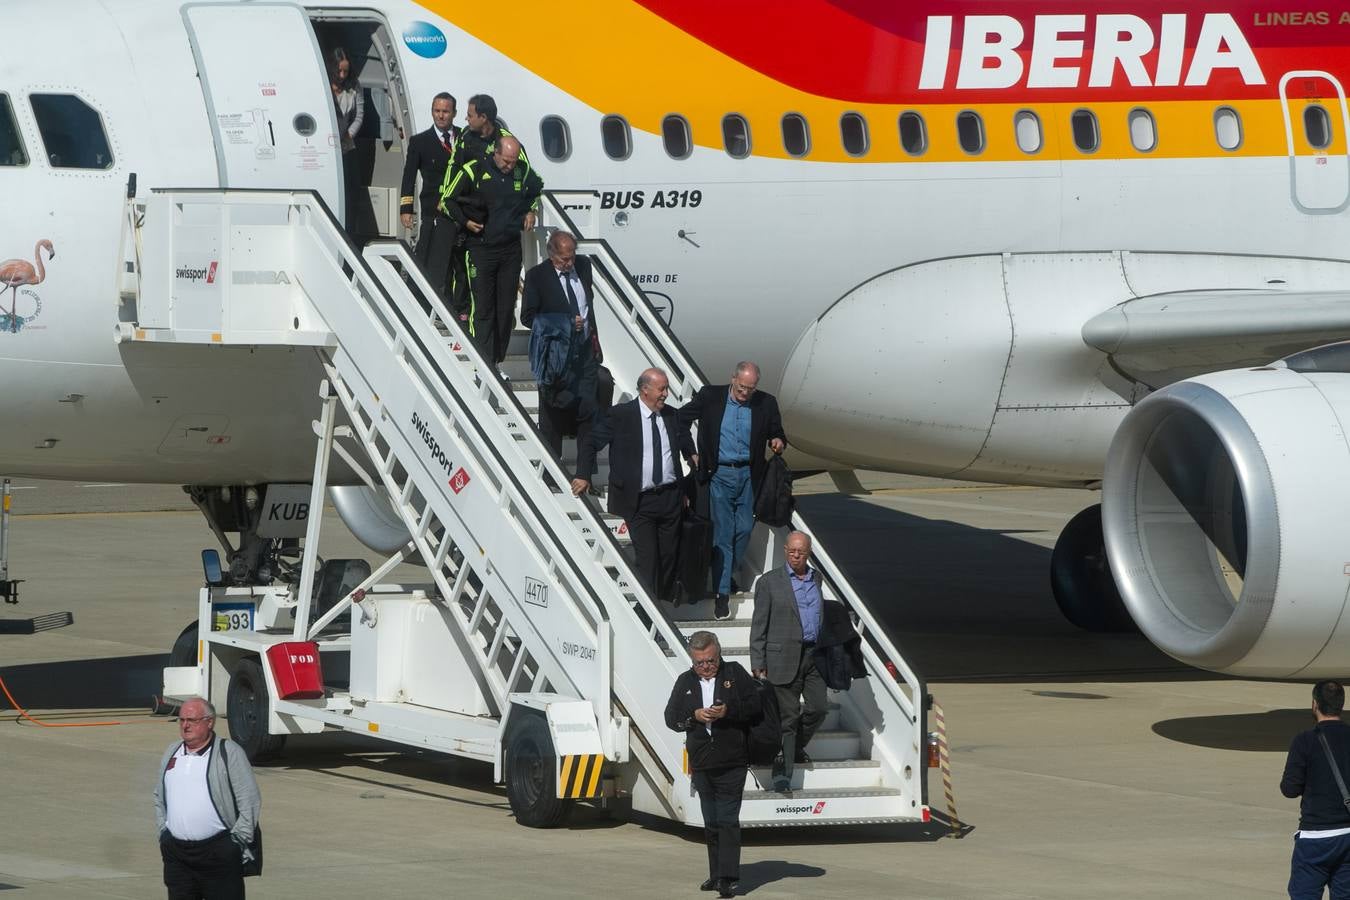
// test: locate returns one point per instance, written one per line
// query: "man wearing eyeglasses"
(206, 809)
(714, 703)
(736, 421)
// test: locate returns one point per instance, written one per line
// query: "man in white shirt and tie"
(561, 288)
(646, 441)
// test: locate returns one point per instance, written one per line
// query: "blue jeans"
(733, 516)
(1318, 862)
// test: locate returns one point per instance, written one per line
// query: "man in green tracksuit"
(493, 199)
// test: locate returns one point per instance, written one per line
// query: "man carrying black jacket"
(714, 703)
(1322, 843)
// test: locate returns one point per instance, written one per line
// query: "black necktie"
(445, 139)
(571, 294)
(656, 454)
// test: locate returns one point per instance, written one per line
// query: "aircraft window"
(796, 135)
(1086, 136)
(11, 144)
(1317, 126)
(555, 138)
(1143, 130)
(675, 135)
(970, 132)
(853, 130)
(1227, 128)
(913, 134)
(616, 136)
(736, 135)
(1028, 127)
(72, 132)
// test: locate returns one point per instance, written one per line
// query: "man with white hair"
(206, 809)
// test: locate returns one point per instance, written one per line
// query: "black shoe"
(801, 757)
(722, 607)
(711, 884)
(727, 888)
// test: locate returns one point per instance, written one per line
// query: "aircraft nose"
(905, 370)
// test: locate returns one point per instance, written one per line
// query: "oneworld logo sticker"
(424, 39)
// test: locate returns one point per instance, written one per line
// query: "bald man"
(493, 199)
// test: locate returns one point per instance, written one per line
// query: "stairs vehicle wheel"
(531, 773)
(247, 712)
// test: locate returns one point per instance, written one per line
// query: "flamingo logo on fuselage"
(18, 277)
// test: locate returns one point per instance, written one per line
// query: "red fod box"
(295, 668)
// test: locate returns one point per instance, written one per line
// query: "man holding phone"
(714, 704)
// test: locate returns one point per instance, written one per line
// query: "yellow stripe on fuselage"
(677, 73)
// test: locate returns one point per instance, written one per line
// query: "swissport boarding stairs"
(534, 647)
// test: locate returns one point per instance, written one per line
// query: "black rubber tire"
(531, 772)
(1081, 580)
(184, 652)
(246, 709)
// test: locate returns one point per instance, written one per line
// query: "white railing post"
(311, 554)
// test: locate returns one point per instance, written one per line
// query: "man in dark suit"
(428, 155)
(563, 284)
(735, 422)
(645, 440)
(789, 613)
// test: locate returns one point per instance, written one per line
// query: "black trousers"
(577, 415)
(494, 279)
(655, 530)
(441, 254)
(211, 869)
(802, 702)
(719, 794)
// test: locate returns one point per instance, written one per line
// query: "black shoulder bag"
(1335, 770)
(253, 866)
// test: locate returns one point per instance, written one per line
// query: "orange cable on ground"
(23, 713)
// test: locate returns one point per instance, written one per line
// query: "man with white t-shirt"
(1316, 769)
(206, 809)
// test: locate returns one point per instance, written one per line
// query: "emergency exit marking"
(459, 480)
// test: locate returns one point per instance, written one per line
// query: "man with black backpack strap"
(1317, 769)
(714, 704)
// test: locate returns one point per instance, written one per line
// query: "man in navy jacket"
(1322, 843)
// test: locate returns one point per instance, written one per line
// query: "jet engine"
(1224, 506)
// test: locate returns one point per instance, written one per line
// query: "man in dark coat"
(428, 154)
(1322, 842)
(646, 441)
(714, 703)
(735, 423)
(563, 284)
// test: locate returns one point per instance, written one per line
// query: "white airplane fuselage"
(771, 247)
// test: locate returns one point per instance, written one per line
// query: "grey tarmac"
(1088, 765)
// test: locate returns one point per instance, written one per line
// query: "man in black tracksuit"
(478, 141)
(1322, 843)
(493, 200)
(715, 703)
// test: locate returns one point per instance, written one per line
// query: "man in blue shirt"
(789, 612)
(1322, 842)
(736, 422)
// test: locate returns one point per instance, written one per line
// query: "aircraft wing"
(1159, 339)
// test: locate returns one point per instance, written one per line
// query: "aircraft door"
(266, 87)
(1315, 127)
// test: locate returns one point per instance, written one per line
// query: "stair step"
(827, 807)
(831, 775)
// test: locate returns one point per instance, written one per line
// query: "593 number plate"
(232, 617)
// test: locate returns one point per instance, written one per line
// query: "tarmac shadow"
(119, 682)
(1264, 732)
(767, 871)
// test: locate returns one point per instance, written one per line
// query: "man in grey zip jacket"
(206, 807)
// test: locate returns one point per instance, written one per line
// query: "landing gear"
(1080, 577)
(247, 705)
(531, 779)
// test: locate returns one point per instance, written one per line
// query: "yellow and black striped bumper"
(579, 776)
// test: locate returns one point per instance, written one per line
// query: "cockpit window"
(72, 132)
(11, 143)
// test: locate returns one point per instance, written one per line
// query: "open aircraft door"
(267, 94)
(1315, 127)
